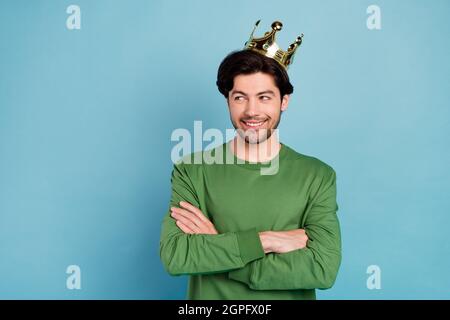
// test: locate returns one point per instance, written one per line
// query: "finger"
(188, 215)
(195, 210)
(186, 222)
(184, 227)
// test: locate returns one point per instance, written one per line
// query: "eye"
(265, 98)
(238, 98)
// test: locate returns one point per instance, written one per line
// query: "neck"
(252, 152)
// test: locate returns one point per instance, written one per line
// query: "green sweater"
(240, 202)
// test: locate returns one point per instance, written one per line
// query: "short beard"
(249, 135)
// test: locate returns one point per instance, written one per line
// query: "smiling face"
(255, 106)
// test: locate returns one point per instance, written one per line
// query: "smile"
(253, 124)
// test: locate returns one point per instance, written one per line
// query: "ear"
(285, 102)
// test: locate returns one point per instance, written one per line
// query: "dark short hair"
(248, 62)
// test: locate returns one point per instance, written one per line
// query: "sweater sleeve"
(183, 253)
(313, 267)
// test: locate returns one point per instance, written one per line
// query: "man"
(241, 234)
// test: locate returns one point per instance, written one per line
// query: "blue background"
(86, 117)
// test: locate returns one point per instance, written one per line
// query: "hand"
(191, 220)
(283, 241)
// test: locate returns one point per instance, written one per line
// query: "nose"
(251, 108)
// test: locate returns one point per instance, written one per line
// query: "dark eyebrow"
(258, 94)
(239, 92)
(266, 92)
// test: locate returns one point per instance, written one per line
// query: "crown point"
(277, 25)
(267, 46)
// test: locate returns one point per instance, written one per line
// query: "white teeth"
(254, 124)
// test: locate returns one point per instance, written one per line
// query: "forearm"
(205, 253)
(286, 266)
(301, 269)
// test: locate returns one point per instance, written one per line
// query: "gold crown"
(267, 46)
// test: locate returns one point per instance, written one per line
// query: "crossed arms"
(305, 258)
